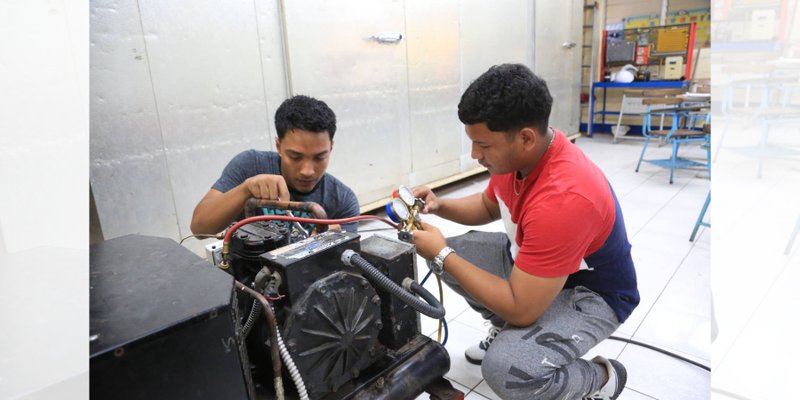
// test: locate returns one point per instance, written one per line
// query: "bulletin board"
(665, 51)
(700, 16)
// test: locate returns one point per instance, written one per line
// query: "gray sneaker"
(617, 376)
(474, 354)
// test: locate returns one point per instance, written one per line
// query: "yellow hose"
(441, 300)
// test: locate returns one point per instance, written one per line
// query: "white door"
(557, 58)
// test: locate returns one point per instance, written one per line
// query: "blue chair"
(682, 131)
(700, 218)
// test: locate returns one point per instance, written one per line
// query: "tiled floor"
(673, 275)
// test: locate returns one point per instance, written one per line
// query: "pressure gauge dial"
(397, 210)
(406, 195)
(400, 209)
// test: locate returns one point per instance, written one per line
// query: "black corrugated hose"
(430, 306)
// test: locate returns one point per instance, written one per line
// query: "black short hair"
(306, 113)
(506, 98)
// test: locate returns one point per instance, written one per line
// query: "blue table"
(618, 85)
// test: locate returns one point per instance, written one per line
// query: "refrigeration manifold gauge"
(405, 210)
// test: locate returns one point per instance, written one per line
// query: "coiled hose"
(289, 363)
(251, 319)
(430, 306)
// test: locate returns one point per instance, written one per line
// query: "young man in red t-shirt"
(561, 279)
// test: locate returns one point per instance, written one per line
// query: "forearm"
(493, 292)
(213, 214)
(468, 210)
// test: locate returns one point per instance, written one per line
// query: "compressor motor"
(343, 312)
(350, 324)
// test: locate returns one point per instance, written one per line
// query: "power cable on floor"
(662, 351)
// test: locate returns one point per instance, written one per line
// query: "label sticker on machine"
(309, 246)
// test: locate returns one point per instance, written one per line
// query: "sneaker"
(474, 354)
(617, 376)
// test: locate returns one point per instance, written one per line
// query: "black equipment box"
(162, 324)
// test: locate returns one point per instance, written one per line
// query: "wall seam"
(158, 118)
(270, 139)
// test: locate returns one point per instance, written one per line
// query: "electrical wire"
(662, 351)
(202, 236)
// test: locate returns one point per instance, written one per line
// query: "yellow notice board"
(700, 16)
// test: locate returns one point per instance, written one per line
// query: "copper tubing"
(310, 207)
(273, 333)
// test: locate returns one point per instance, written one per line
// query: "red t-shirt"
(564, 210)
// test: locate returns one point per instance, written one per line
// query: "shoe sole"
(622, 377)
(472, 360)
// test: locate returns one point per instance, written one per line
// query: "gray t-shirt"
(335, 197)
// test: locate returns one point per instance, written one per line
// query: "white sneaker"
(474, 354)
(617, 376)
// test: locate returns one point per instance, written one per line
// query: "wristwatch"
(438, 262)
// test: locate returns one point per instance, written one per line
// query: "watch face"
(406, 195)
(399, 208)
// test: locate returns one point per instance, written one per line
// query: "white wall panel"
(364, 82)
(209, 89)
(273, 69)
(128, 167)
(492, 32)
(434, 89)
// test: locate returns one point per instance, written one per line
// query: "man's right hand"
(267, 187)
(217, 209)
(474, 209)
(430, 199)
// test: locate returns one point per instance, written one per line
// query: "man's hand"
(267, 187)
(429, 241)
(217, 209)
(430, 199)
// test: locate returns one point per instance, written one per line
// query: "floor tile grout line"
(664, 206)
(661, 293)
(756, 309)
(640, 392)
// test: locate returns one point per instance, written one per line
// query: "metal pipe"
(273, 324)
(253, 204)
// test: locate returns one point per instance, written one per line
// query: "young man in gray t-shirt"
(295, 172)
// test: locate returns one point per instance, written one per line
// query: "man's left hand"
(429, 241)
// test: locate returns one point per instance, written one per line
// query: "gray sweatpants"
(540, 361)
